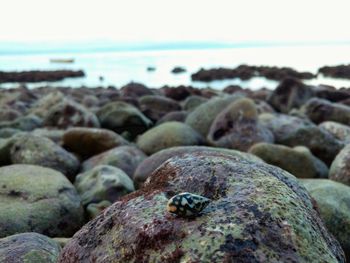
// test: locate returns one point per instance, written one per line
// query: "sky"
(138, 21)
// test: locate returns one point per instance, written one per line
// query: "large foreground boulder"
(333, 201)
(257, 213)
(38, 199)
(28, 248)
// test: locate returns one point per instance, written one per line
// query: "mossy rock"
(38, 199)
(257, 213)
(166, 135)
(333, 201)
(299, 161)
(151, 163)
(28, 248)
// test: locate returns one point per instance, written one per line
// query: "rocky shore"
(86, 173)
(39, 76)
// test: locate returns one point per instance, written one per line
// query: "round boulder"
(28, 248)
(340, 168)
(93, 140)
(333, 201)
(103, 182)
(32, 149)
(257, 213)
(299, 161)
(126, 158)
(38, 199)
(166, 135)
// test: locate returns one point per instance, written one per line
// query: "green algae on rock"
(299, 161)
(333, 202)
(258, 213)
(151, 163)
(38, 199)
(103, 182)
(93, 140)
(166, 135)
(36, 150)
(28, 248)
(237, 127)
(340, 168)
(126, 158)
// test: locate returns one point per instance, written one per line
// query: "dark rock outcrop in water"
(257, 213)
(39, 76)
(245, 72)
(341, 71)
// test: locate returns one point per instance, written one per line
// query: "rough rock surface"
(151, 163)
(203, 116)
(258, 213)
(319, 110)
(340, 131)
(38, 199)
(32, 149)
(103, 182)
(290, 93)
(25, 123)
(333, 201)
(87, 142)
(340, 168)
(28, 248)
(126, 158)
(166, 135)
(299, 161)
(237, 127)
(122, 117)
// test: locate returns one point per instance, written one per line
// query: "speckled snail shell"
(187, 204)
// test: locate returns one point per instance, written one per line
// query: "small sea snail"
(187, 204)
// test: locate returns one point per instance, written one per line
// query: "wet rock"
(93, 140)
(237, 127)
(264, 217)
(42, 106)
(123, 119)
(151, 163)
(25, 123)
(8, 132)
(290, 93)
(70, 114)
(331, 94)
(103, 182)
(178, 70)
(135, 90)
(193, 102)
(32, 149)
(340, 131)
(293, 131)
(168, 135)
(94, 209)
(340, 168)
(179, 116)
(299, 161)
(340, 71)
(9, 114)
(155, 107)
(28, 248)
(126, 158)
(203, 116)
(179, 93)
(38, 199)
(54, 135)
(333, 202)
(319, 110)
(39, 75)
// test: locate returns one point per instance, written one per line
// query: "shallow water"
(119, 68)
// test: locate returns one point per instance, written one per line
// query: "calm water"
(119, 68)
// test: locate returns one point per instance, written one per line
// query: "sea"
(118, 67)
